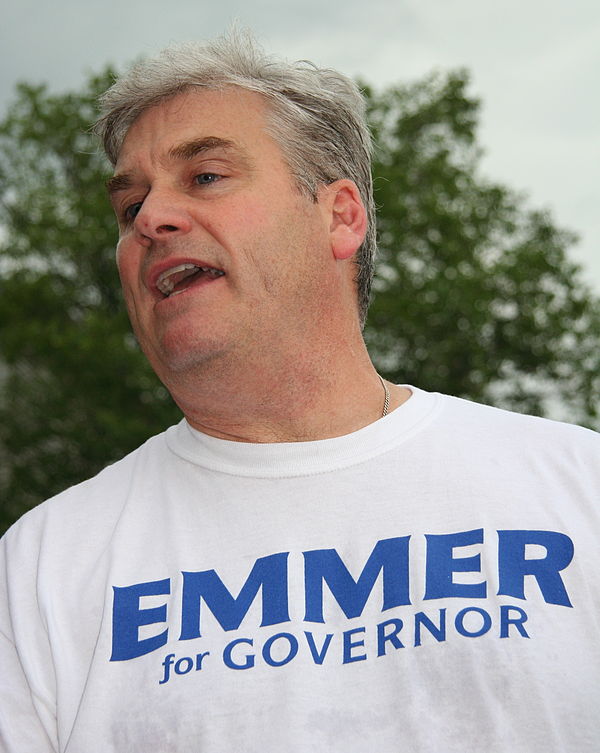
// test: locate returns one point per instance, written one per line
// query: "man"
(313, 559)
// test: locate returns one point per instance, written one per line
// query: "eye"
(132, 211)
(204, 179)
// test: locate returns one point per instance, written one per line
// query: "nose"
(162, 214)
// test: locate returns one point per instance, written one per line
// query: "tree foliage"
(475, 293)
(75, 392)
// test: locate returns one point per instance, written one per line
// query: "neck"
(315, 398)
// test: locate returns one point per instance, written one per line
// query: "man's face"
(218, 250)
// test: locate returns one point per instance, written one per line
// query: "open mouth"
(180, 278)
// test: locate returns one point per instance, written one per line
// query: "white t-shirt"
(430, 582)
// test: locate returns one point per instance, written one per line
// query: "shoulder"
(479, 413)
(518, 433)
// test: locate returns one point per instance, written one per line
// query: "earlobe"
(348, 219)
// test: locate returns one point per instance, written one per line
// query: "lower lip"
(201, 282)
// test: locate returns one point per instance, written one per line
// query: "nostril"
(167, 228)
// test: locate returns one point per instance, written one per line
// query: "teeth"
(167, 281)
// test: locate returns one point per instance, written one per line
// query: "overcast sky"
(534, 63)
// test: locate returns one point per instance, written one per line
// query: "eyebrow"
(190, 149)
(118, 183)
(185, 152)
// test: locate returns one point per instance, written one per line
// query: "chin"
(186, 356)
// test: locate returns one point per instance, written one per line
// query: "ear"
(348, 218)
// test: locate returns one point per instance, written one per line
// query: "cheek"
(127, 264)
(120, 255)
(128, 268)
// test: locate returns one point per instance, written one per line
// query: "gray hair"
(317, 116)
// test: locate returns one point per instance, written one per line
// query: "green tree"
(475, 294)
(75, 392)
